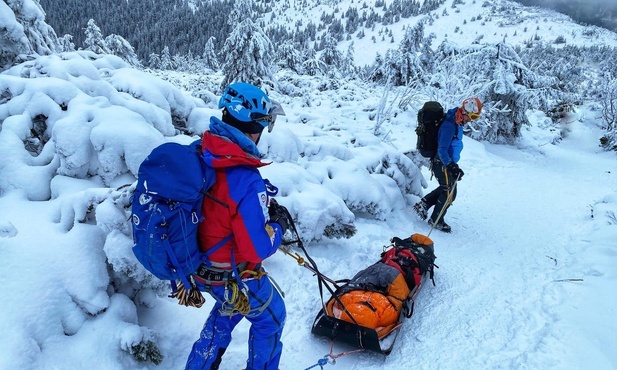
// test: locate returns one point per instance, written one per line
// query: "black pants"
(439, 196)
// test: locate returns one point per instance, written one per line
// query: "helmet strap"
(458, 117)
(246, 127)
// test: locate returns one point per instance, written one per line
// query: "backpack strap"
(214, 248)
(176, 263)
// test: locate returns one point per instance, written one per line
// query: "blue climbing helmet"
(248, 108)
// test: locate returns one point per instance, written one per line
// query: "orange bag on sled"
(369, 308)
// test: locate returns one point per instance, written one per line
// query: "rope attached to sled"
(446, 205)
(330, 358)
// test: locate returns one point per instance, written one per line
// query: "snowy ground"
(522, 224)
(526, 280)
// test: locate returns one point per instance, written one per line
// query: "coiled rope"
(237, 298)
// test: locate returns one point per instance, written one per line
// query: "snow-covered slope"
(526, 279)
(463, 23)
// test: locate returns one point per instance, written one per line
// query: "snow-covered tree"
(247, 51)
(66, 43)
(94, 39)
(609, 113)
(288, 56)
(180, 62)
(209, 57)
(408, 59)
(413, 60)
(330, 55)
(118, 46)
(348, 67)
(497, 75)
(166, 59)
(154, 60)
(312, 65)
(562, 63)
(24, 32)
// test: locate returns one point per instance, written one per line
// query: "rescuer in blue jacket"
(444, 166)
(243, 227)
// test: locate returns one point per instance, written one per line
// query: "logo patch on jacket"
(263, 201)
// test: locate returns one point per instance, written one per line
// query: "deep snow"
(526, 280)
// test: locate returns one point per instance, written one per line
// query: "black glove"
(455, 171)
(279, 214)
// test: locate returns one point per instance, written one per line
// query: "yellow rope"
(295, 256)
(239, 300)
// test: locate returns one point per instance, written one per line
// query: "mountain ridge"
(462, 22)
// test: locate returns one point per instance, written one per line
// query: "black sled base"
(354, 335)
(360, 336)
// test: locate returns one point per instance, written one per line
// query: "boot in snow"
(441, 225)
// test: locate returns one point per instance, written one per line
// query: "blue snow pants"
(265, 344)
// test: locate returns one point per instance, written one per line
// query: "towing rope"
(450, 192)
(330, 358)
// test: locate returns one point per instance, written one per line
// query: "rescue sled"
(356, 335)
(342, 318)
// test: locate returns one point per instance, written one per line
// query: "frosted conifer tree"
(166, 60)
(407, 58)
(330, 55)
(413, 59)
(348, 65)
(209, 57)
(154, 61)
(312, 65)
(118, 46)
(248, 50)
(94, 39)
(289, 57)
(66, 43)
(24, 32)
(180, 62)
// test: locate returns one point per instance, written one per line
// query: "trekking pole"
(443, 209)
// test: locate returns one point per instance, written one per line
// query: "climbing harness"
(236, 299)
(236, 295)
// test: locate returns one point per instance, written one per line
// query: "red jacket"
(240, 207)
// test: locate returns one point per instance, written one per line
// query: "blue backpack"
(166, 207)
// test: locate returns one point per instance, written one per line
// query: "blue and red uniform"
(238, 207)
(449, 147)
